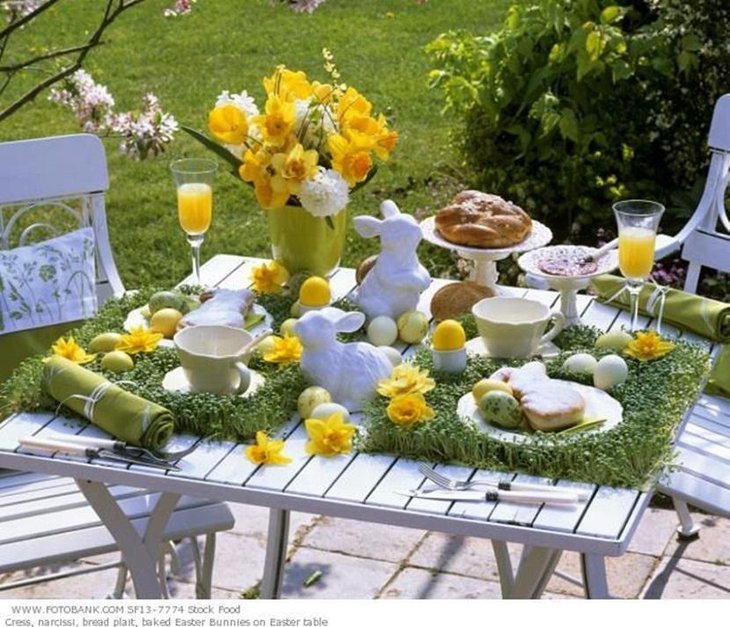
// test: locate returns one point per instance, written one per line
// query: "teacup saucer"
(476, 346)
(175, 381)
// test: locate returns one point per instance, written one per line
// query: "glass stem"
(634, 290)
(195, 242)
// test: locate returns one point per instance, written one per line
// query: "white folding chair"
(703, 447)
(48, 187)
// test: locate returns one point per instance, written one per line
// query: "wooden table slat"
(608, 512)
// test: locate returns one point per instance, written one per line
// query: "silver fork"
(456, 484)
(123, 447)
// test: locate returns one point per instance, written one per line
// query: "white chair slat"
(720, 127)
(715, 403)
(701, 492)
(701, 465)
(608, 512)
(708, 249)
(708, 430)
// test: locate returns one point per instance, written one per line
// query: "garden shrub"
(575, 104)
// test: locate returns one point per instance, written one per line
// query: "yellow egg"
(315, 292)
(483, 387)
(165, 321)
(448, 336)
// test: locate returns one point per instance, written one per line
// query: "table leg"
(276, 546)
(504, 565)
(140, 553)
(537, 565)
(595, 582)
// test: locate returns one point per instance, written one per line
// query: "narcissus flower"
(351, 156)
(409, 409)
(139, 340)
(647, 346)
(405, 379)
(228, 124)
(266, 451)
(277, 121)
(292, 168)
(269, 278)
(328, 437)
(284, 350)
(69, 349)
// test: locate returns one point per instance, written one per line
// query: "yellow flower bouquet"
(309, 146)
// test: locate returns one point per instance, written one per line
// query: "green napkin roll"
(703, 316)
(122, 414)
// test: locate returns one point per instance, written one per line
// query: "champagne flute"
(637, 221)
(194, 181)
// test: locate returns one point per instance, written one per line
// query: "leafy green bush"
(574, 104)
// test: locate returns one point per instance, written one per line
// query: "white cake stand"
(484, 270)
(568, 286)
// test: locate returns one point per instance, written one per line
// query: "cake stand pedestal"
(484, 260)
(568, 286)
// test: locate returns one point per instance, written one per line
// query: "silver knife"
(507, 496)
(49, 444)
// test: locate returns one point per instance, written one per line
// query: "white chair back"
(54, 184)
(702, 240)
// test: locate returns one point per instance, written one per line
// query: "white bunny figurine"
(397, 279)
(350, 372)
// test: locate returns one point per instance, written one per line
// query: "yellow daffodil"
(228, 124)
(266, 451)
(330, 436)
(292, 168)
(255, 169)
(139, 340)
(269, 278)
(352, 104)
(647, 346)
(69, 349)
(277, 122)
(351, 156)
(288, 85)
(405, 379)
(409, 409)
(284, 350)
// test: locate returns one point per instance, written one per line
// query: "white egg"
(581, 363)
(392, 354)
(610, 371)
(382, 331)
(325, 410)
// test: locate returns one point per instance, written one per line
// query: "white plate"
(530, 261)
(135, 319)
(548, 350)
(539, 236)
(599, 404)
(175, 381)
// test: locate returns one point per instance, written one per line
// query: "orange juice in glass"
(194, 181)
(194, 207)
(638, 221)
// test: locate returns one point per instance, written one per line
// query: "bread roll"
(456, 299)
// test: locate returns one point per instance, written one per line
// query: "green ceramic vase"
(302, 242)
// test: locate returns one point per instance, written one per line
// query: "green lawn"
(232, 44)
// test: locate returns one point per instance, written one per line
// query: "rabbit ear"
(349, 322)
(367, 226)
(389, 209)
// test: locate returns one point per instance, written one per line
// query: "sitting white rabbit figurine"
(397, 279)
(350, 372)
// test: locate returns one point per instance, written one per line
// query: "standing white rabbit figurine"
(350, 372)
(397, 279)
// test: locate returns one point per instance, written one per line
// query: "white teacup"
(515, 327)
(210, 358)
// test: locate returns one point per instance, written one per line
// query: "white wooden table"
(357, 486)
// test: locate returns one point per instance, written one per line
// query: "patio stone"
(472, 557)
(252, 520)
(89, 586)
(678, 578)
(656, 531)
(713, 544)
(627, 575)
(361, 539)
(343, 576)
(419, 583)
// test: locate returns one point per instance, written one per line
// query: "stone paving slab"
(419, 583)
(713, 544)
(678, 578)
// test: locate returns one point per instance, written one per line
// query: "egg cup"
(305, 308)
(449, 361)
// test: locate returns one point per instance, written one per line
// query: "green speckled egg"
(501, 409)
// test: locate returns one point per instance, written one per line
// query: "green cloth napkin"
(703, 316)
(124, 415)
